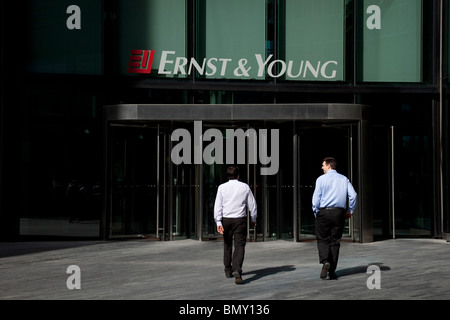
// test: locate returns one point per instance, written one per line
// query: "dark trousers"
(234, 229)
(329, 229)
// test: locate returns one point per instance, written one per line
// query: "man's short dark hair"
(232, 172)
(331, 162)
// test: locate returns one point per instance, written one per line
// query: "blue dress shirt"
(332, 190)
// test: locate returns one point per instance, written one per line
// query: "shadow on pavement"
(258, 274)
(360, 269)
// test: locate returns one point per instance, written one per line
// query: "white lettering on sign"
(374, 21)
(170, 64)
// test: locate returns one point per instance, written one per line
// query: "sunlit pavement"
(402, 269)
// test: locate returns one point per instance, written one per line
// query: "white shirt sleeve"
(218, 207)
(251, 205)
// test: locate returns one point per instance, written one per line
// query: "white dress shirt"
(233, 197)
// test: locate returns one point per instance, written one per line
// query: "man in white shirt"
(230, 213)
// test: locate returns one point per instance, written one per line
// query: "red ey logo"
(141, 61)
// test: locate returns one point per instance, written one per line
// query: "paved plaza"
(401, 269)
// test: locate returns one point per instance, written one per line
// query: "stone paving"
(401, 269)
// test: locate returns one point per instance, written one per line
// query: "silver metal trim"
(123, 112)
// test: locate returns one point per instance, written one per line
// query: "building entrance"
(317, 142)
(151, 192)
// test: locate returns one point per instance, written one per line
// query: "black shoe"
(332, 275)
(324, 272)
(237, 277)
(228, 273)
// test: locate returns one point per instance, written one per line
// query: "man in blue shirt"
(329, 204)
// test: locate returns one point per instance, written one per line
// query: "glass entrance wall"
(148, 195)
(336, 140)
(278, 190)
(402, 145)
(183, 190)
(163, 185)
(445, 114)
(446, 166)
(134, 180)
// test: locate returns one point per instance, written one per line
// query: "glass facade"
(445, 81)
(59, 41)
(392, 41)
(401, 209)
(70, 60)
(314, 40)
(446, 167)
(152, 25)
(232, 33)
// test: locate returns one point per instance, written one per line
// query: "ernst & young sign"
(257, 66)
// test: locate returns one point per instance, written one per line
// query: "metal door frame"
(350, 127)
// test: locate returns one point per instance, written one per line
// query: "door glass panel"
(316, 143)
(413, 181)
(133, 181)
(279, 188)
(184, 198)
(412, 185)
(215, 174)
(446, 163)
(382, 211)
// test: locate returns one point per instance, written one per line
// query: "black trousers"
(235, 230)
(329, 228)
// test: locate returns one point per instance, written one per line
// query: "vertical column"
(295, 185)
(365, 195)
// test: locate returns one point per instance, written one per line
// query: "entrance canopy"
(347, 112)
